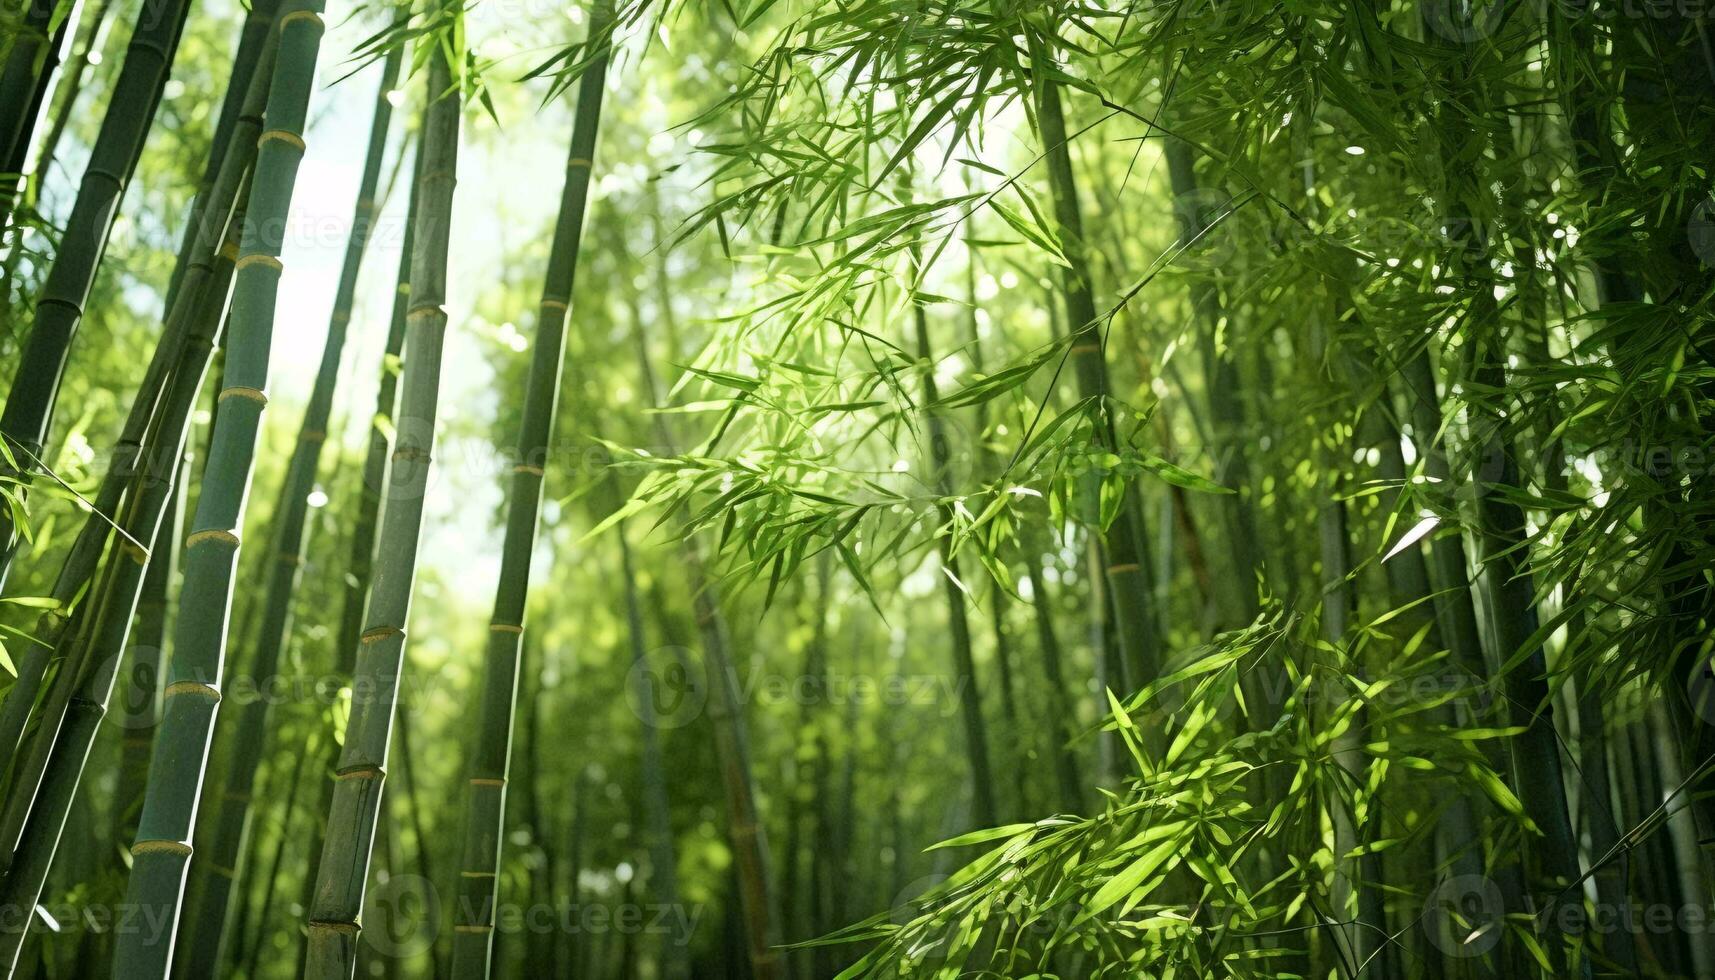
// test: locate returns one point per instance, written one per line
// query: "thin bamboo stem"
(341, 875)
(477, 888)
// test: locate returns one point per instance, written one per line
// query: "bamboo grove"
(861, 488)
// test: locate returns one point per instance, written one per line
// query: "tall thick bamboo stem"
(205, 282)
(537, 954)
(1501, 533)
(24, 81)
(1683, 838)
(223, 864)
(1509, 602)
(59, 307)
(196, 266)
(1457, 839)
(162, 853)
(1454, 603)
(726, 717)
(337, 902)
(202, 236)
(91, 673)
(93, 30)
(252, 59)
(360, 561)
(1123, 540)
(1591, 775)
(478, 884)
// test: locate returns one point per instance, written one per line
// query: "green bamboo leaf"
(31, 601)
(1497, 791)
(1131, 878)
(1180, 477)
(983, 836)
(1033, 233)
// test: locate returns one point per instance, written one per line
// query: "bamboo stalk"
(1506, 575)
(745, 832)
(360, 561)
(538, 958)
(224, 863)
(253, 58)
(1127, 575)
(92, 633)
(90, 679)
(77, 72)
(25, 79)
(162, 853)
(477, 890)
(59, 307)
(1070, 782)
(198, 267)
(337, 902)
(1358, 883)
(1509, 602)
(663, 868)
(253, 939)
(985, 813)
(142, 692)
